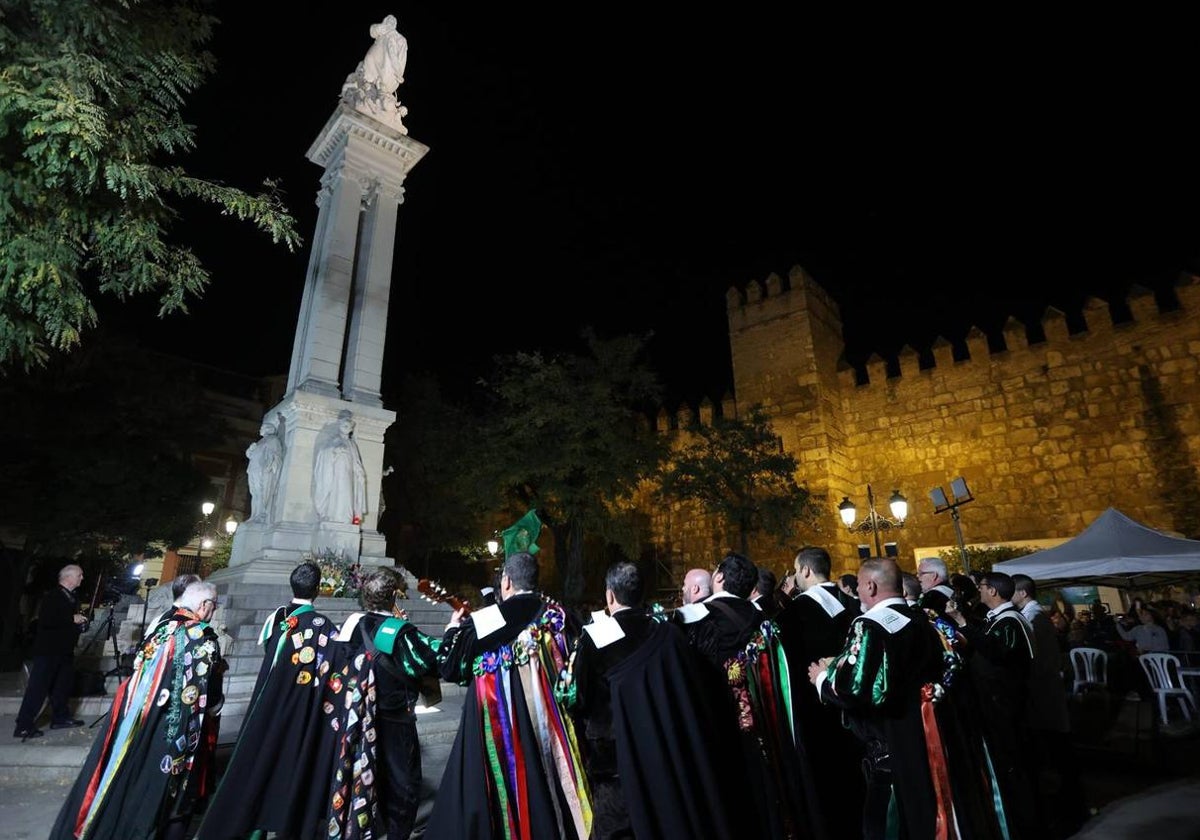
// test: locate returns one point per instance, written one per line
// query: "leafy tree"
(567, 436)
(736, 469)
(90, 99)
(95, 451)
(982, 558)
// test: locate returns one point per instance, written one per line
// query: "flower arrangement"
(340, 577)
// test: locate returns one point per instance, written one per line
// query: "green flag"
(522, 534)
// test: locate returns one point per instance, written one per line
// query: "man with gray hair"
(935, 585)
(147, 780)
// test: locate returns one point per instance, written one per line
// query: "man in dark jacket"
(1000, 660)
(52, 672)
(813, 626)
(1061, 805)
(635, 685)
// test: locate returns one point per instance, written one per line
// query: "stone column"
(372, 288)
(337, 355)
(317, 349)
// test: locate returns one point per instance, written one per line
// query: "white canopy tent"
(1112, 551)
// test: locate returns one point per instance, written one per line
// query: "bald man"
(891, 653)
(697, 585)
(52, 672)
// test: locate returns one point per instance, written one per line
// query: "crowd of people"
(881, 705)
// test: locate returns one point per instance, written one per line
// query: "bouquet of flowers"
(340, 577)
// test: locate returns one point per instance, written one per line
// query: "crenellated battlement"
(679, 418)
(1051, 335)
(1050, 421)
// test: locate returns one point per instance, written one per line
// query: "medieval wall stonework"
(1048, 434)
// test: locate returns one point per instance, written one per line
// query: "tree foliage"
(91, 93)
(736, 469)
(567, 435)
(981, 558)
(95, 450)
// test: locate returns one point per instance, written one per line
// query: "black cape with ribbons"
(278, 775)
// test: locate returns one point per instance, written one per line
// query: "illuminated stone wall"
(1047, 434)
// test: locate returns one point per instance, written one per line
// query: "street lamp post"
(961, 495)
(873, 521)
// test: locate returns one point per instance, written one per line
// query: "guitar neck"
(434, 593)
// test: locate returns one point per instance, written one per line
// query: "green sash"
(303, 608)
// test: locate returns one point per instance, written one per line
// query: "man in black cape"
(744, 651)
(518, 774)
(151, 767)
(1000, 658)
(813, 625)
(377, 670)
(656, 737)
(278, 776)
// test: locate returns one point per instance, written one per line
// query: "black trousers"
(49, 676)
(398, 774)
(877, 802)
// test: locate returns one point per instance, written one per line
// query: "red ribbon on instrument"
(937, 767)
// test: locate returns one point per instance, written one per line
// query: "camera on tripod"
(115, 588)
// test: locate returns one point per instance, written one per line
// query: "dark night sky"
(624, 172)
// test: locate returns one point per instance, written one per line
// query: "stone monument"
(318, 468)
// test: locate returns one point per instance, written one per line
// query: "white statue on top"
(371, 88)
(339, 483)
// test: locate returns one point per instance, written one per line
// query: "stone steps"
(56, 757)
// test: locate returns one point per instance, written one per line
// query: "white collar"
(1007, 605)
(885, 603)
(302, 601)
(721, 594)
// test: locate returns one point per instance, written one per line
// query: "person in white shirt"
(1149, 635)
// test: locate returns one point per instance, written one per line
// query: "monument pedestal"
(267, 551)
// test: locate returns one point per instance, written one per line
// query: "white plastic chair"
(1162, 670)
(1091, 668)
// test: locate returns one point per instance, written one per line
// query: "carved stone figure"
(385, 60)
(371, 88)
(339, 483)
(262, 472)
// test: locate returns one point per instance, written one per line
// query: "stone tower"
(786, 347)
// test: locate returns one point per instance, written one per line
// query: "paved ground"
(1142, 784)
